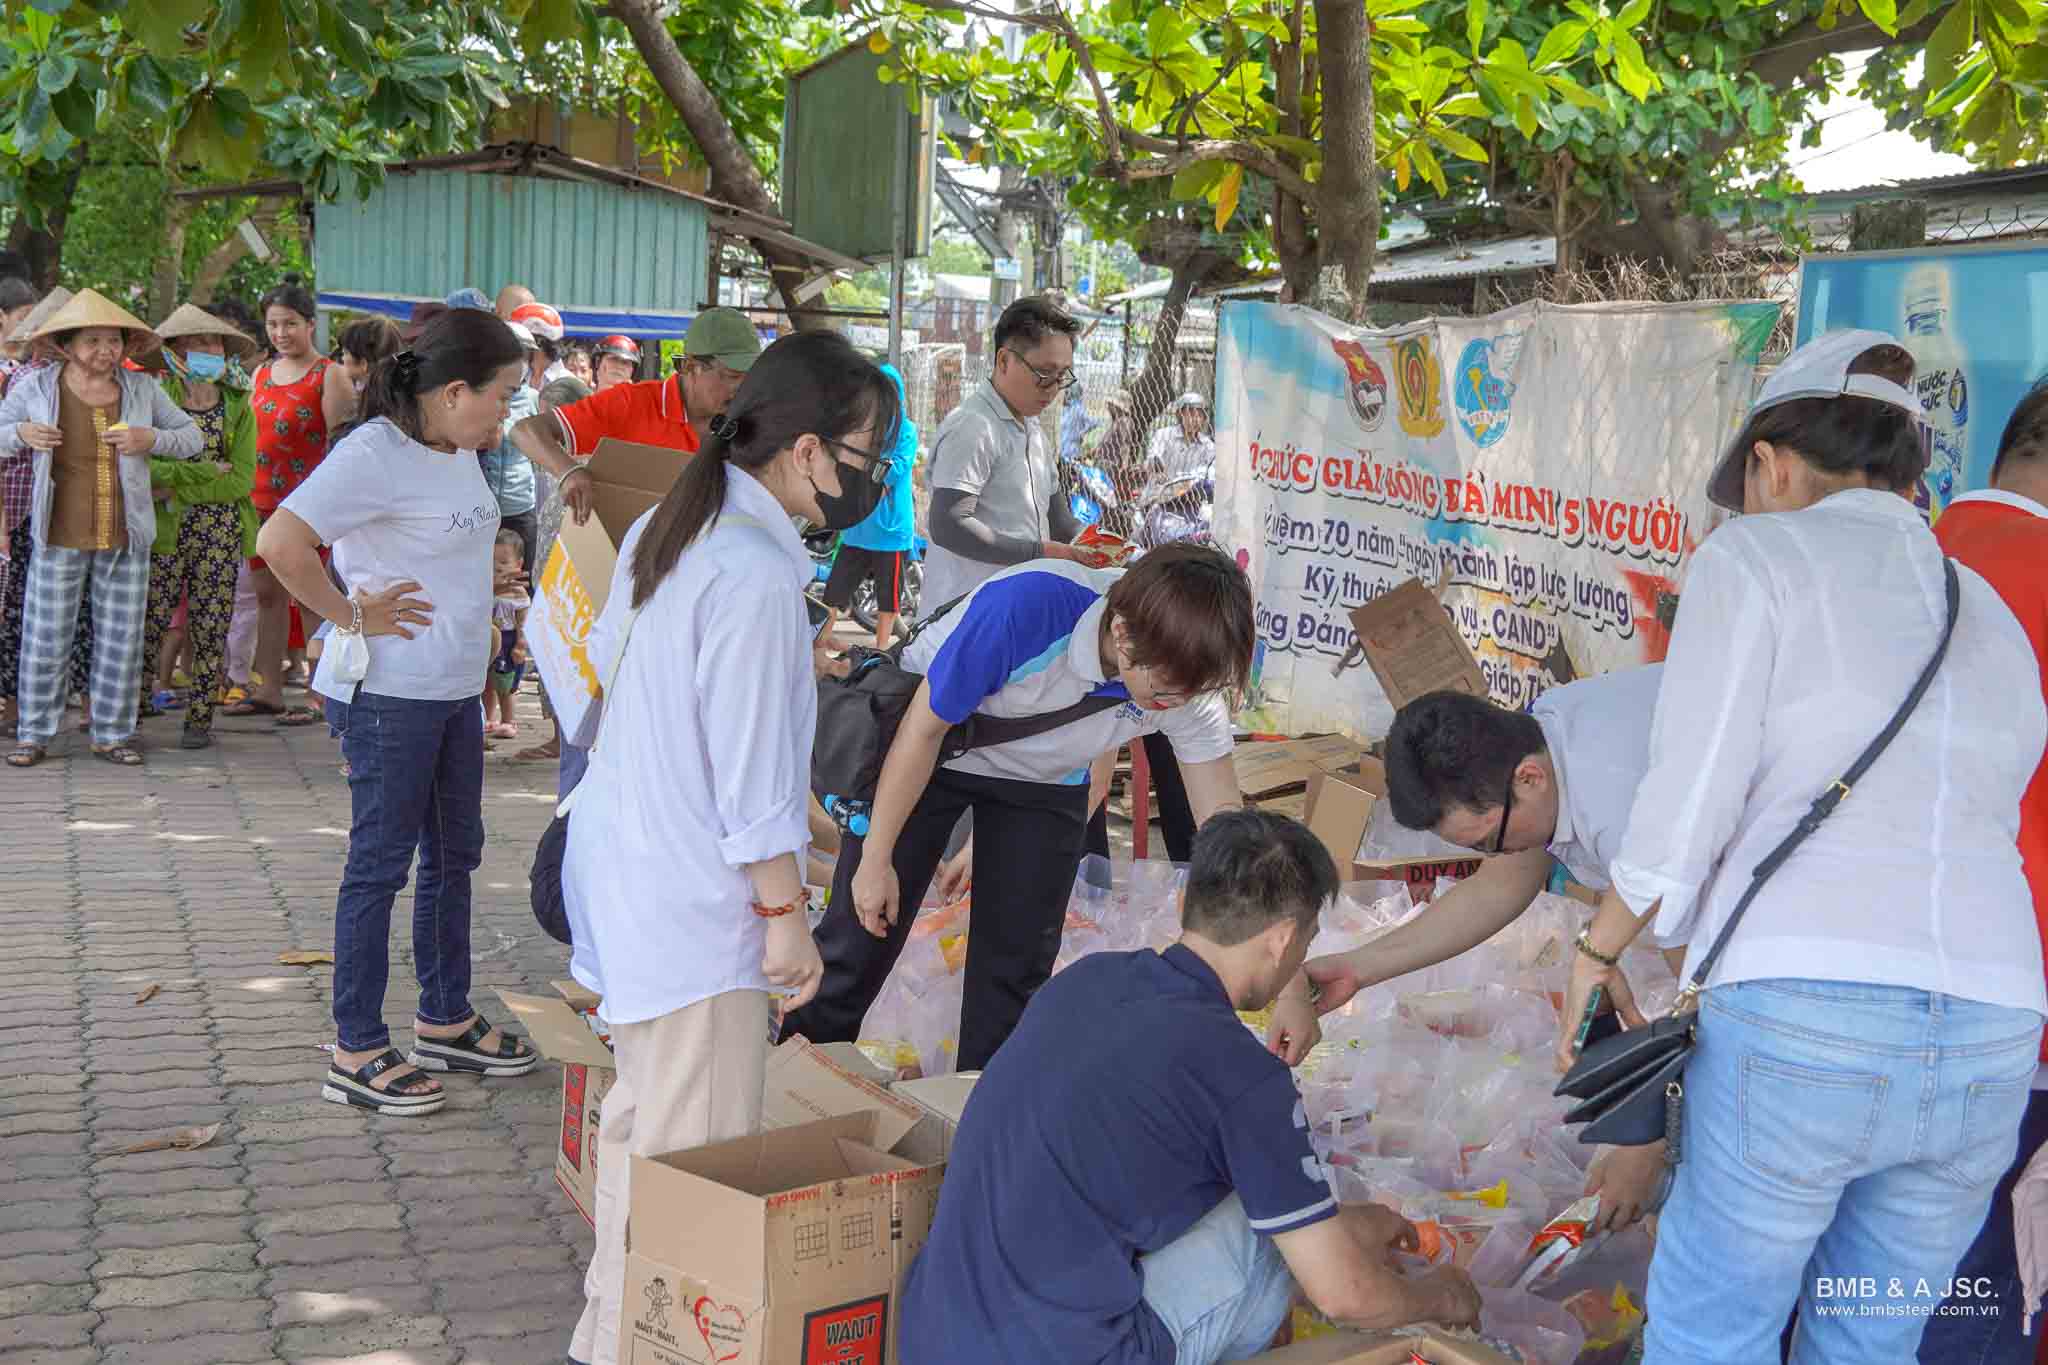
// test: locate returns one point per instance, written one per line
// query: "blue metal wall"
(580, 246)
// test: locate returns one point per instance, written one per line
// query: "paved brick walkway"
(306, 1231)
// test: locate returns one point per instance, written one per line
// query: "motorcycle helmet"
(541, 320)
(624, 347)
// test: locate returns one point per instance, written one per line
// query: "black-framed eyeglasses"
(877, 469)
(1059, 379)
(1507, 806)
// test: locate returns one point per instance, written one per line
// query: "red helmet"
(625, 348)
(540, 319)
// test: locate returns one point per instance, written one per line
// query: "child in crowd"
(508, 619)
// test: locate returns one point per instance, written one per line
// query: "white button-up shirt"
(1800, 635)
(702, 766)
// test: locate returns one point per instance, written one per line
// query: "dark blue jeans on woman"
(416, 782)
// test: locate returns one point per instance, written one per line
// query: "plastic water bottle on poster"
(1940, 379)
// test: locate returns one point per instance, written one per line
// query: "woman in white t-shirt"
(403, 502)
(682, 870)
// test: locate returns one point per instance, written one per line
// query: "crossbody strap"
(986, 732)
(1824, 804)
(610, 676)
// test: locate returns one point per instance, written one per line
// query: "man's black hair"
(1251, 869)
(1031, 320)
(1449, 749)
(2026, 431)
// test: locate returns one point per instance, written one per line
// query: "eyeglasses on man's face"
(1056, 379)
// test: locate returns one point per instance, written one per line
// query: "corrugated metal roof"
(575, 244)
(1505, 256)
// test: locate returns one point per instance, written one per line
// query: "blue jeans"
(1221, 1289)
(1986, 1329)
(1841, 1146)
(416, 782)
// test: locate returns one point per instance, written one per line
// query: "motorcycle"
(1091, 493)
(824, 550)
(1178, 509)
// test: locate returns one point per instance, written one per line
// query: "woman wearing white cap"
(1862, 935)
(93, 426)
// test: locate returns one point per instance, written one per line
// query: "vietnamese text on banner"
(1545, 467)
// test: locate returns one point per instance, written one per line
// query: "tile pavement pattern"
(306, 1231)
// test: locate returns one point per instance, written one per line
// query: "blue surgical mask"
(206, 366)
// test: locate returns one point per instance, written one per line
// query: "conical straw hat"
(90, 308)
(190, 320)
(46, 305)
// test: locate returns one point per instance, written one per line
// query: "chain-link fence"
(1135, 433)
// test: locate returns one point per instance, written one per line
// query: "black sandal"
(466, 1053)
(121, 755)
(415, 1094)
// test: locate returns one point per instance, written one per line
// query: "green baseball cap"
(725, 336)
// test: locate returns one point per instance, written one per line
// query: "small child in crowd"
(508, 619)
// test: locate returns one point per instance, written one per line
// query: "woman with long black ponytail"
(404, 504)
(682, 872)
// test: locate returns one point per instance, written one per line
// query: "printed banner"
(1976, 321)
(558, 637)
(1545, 467)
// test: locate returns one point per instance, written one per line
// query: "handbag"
(550, 910)
(859, 714)
(1630, 1087)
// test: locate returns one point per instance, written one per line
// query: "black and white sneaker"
(514, 1056)
(414, 1094)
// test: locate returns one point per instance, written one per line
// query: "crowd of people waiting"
(1864, 1093)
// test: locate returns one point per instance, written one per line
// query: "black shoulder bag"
(859, 714)
(1630, 1085)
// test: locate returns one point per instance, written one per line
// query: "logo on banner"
(1418, 384)
(1365, 384)
(1484, 396)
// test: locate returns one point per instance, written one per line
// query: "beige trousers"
(685, 1079)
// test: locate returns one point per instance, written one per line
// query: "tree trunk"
(43, 247)
(1010, 233)
(733, 172)
(1348, 200)
(216, 266)
(170, 260)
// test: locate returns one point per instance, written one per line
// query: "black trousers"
(1027, 847)
(1176, 816)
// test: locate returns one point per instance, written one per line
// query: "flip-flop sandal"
(296, 717)
(538, 752)
(513, 1057)
(416, 1094)
(121, 755)
(253, 706)
(27, 756)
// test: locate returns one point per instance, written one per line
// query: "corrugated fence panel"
(575, 245)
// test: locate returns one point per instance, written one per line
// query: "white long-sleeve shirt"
(1799, 636)
(702, 766)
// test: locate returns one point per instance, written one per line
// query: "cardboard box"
(1340, 806)
(1380, 1348)
(561, 1032)
(1267, 768)
(1412, 646)
(805, 1081)
(787, 1248)
(570, 590)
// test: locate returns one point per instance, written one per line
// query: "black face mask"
(858, 495)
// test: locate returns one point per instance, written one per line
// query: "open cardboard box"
(1340, 806)
(570, 590)
(1412, 646)
(1267, 768)
(805, 1081)
(786, 1248)
(1379, 1348)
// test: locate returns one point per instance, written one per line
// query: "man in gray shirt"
(995, 485)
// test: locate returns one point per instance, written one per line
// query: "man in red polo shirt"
(718, 350)
(2002, 533)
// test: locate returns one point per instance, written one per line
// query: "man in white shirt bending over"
(1554, 783)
